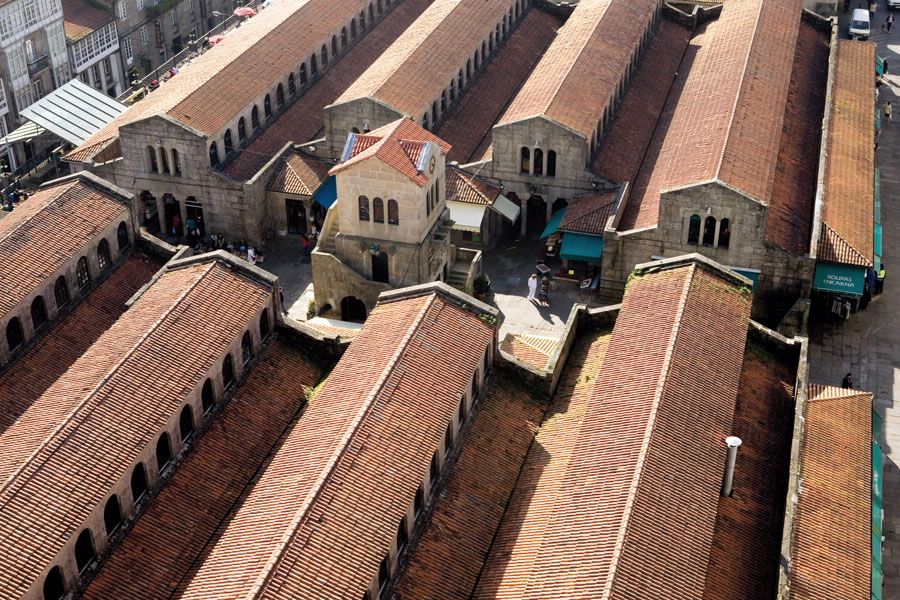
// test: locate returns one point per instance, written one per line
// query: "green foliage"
(488, 318)
(482, 284)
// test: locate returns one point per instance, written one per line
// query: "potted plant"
(481, 286)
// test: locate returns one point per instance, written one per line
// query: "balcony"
(38, 64)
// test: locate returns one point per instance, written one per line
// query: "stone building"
(390, 227)
(292, 192)
(52, 253)
(93, 41)
(481, 214)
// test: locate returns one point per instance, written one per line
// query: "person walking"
(888, 111)
(532, 286)
(879, 279)
(176, 225)
(890, 22)
(544, 294)
(847, 382)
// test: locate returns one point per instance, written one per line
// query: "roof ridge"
(263, 579)
(844, 240)
(6, 485)
(648, 431)
(38, 211)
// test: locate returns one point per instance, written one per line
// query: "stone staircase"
(327, 243)
(458, 276)
(441, 230)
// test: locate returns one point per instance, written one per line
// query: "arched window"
(525, 162)
(484, 51)
(448, 439)
(229, 143)
(303, 74)
(371, 13)
(694, 230)
(434, 112)
(163, 451)
(207, 399)
(53, 585)
(433, 472)
(246, 348)
(122, 237)
(462, 410)
(477, 63)
(378, 210)
(165, 162)
(724, 233)
(82, 273)
(469, 69)
(551, 163)
(254, 118)
(313, 66)
(14, 335)
(402, 535)
(384, 575)
(264, 324)
(112, 515)
(324, 54)
(267, 106)
(151, 159)
(138, 482)
(279, 96)
(490, 44)
(353, 29)
(292, 86)
(186, 423)
(227, 371)
(452, 90)
(61, 291)
(425, 121)
(103, 257)
(334, 46)
(362, 21)
(538, 161)
(363, 208)
(213, 155)
(459, 81)
(709, 231)
(379, 7)
(343, 38)
(38, 312)
(444, 100)
(419, 502)
(497, 34)
(393, 212)
(176, 164)
(84, 550)
(242, 130)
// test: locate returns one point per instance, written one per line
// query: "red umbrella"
(215, 39)
(244, 11)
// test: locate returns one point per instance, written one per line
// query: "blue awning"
(555, 220)
(579, 246)
(327, 192)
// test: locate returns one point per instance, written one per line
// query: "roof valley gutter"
(275, 558)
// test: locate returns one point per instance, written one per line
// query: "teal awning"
(327, 192)
(841, 279)
(877, 516)
(878, 242)
(877, 196)
(879, 65)
(579, 246)
(555, 220)
(751, 274)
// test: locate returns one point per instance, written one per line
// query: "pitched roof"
(86, 431)
(299, 174)
(578, 75)
(45, 362)
(350, 466)
(81, 18)
(155, 557)
(463, 187)
(534, 350)
(832, 545)
(411, 74)
(224, 80)
(631, 505)
(589, 214)
(724, 116)
(400, 145)
(849, 207)
(41, 235)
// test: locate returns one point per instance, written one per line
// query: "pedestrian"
(176, 225)
(251, 255)
(8, 207)
(890, 22)
(879, 279)
(544, 294)
(532, 286)
(847, 382)
(306, 247)
(873, 7)
(888, 110)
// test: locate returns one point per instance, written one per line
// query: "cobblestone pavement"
(868, 344)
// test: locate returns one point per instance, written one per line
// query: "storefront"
(838, 288)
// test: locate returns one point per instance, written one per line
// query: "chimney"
(733, 442)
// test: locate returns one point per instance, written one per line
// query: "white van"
(859, 25)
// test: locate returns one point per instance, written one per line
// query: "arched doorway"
(149, 212)
(195, 215)
(380, 270)
(537, 215)
(353, 309)
(296, 216)
(172, 209)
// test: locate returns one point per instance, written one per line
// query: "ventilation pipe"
(733, 443)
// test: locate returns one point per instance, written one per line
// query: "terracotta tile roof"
(623, 148)
(793, 194)
(743, 562)
(399, 145)
(350, 466)
(44, 233)
(850, 167)
(588, 214)
(154, 557)
(299, 174)
(532, 349)
(832, 542)
(32, 373)
(463, 187)
(81, 18)
(224, 80)
(451, 551)
(631, 510)
(578, 75)
(95, 415)
(833, 248)
(723, 119)
(468, 128)
(411, 74)
(303, 120)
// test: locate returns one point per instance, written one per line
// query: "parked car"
(859, 24)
